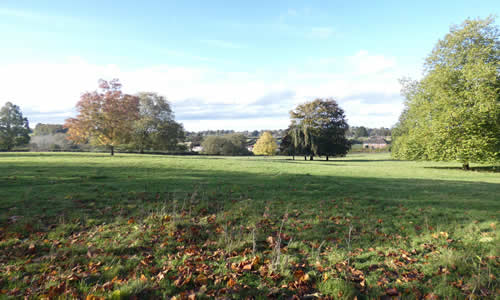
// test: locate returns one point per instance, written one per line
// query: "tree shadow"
(54, 154)
(487, 169)
(49, 190)
(362, 160)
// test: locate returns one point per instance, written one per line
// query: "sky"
(240, 65)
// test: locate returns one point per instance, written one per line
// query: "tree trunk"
(141, 151)
(305, 157)
(327, 158)
(112, 150)
(293, 157)
(466, 166)
(311, 157)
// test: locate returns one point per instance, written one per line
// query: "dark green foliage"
(360, 132)
(286, 146)
(14, 128)
(231, 144)
(319, 128)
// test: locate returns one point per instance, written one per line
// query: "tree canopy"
(230, 144)
(105, 117)
(265, 145)
(48, 129)
(156, 127)
(14, 128)
(319, 128)
(453, 112)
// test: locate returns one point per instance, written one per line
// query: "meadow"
(86, 225)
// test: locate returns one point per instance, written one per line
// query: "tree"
(156, 127)
(332, 140)
(48, 129)
(14, 128)
(360, 132)
(287, 147)
(105, 117)
(319, 128)
(230, 144)
(265, 145)
(453, 112)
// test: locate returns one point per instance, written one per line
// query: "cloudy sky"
(223, 64)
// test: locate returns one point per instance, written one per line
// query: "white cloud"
(369, 64)
(207, 98)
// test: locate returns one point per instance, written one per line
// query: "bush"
(231, 144)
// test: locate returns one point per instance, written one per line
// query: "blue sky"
(223, 65)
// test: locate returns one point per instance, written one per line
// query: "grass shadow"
(488, 169)
(68, 190)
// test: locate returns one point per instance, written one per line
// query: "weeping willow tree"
(453, 112)
(303, 140)
(319, 128)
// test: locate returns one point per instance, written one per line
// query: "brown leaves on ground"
(204, 268)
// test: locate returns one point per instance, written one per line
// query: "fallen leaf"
(392, 292)
(201, 279)
(231, 283)
(93, 297)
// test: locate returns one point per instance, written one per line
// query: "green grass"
(83, 224)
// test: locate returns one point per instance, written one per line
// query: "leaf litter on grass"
(185, 255)
(229, 241)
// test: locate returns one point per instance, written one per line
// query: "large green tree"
(14, 128)
(319, 128)
(156, 127)
(453, 113)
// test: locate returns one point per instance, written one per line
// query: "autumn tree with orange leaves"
(105, 116)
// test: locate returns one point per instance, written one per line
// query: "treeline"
(230, 144)
(361, 131)
(247, 133)
(110, 119)
(53, 137)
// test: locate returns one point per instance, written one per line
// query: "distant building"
(375, 143)
(197, 149)
(250, 148)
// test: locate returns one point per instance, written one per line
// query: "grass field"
(90, 225)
